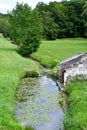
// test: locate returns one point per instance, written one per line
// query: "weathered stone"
(73, 69)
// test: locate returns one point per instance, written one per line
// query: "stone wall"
(75, 72)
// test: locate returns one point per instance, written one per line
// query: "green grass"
(11, 70)
(76, 116)
(52, 53)
(56, 51)
(49, 54)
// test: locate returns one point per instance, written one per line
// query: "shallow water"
(37, 104)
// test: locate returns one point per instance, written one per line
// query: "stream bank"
(37, 103)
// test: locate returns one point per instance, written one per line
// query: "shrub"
(54, 71)
(31, 73)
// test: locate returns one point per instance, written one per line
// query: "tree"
(42, 7)
(50, 28)
(26, 28)
(84, 14)
(59, 14)
(68, 18)
(78, 20)
(4, 27)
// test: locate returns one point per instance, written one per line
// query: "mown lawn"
(11, 70)
(51, 53)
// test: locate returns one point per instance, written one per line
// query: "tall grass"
(76, 116)
(11, 70)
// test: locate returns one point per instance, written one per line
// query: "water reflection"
(37, 104)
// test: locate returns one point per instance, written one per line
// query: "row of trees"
(62, 19)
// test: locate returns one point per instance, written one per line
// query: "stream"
(37, 103)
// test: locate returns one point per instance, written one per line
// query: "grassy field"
(11, 70)
(52, 53)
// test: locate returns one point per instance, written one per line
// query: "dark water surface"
(37, 104)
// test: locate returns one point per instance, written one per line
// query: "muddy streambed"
(37, 104)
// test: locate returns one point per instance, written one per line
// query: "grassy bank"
(49, 54)
(52, 53)
(76, 117)
(11, 70)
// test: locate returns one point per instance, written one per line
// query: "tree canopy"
(69, 16)
(26, 28)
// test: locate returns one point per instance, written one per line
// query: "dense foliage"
(67, 18)
(59, 19)
(25, 28)
(4, 25)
